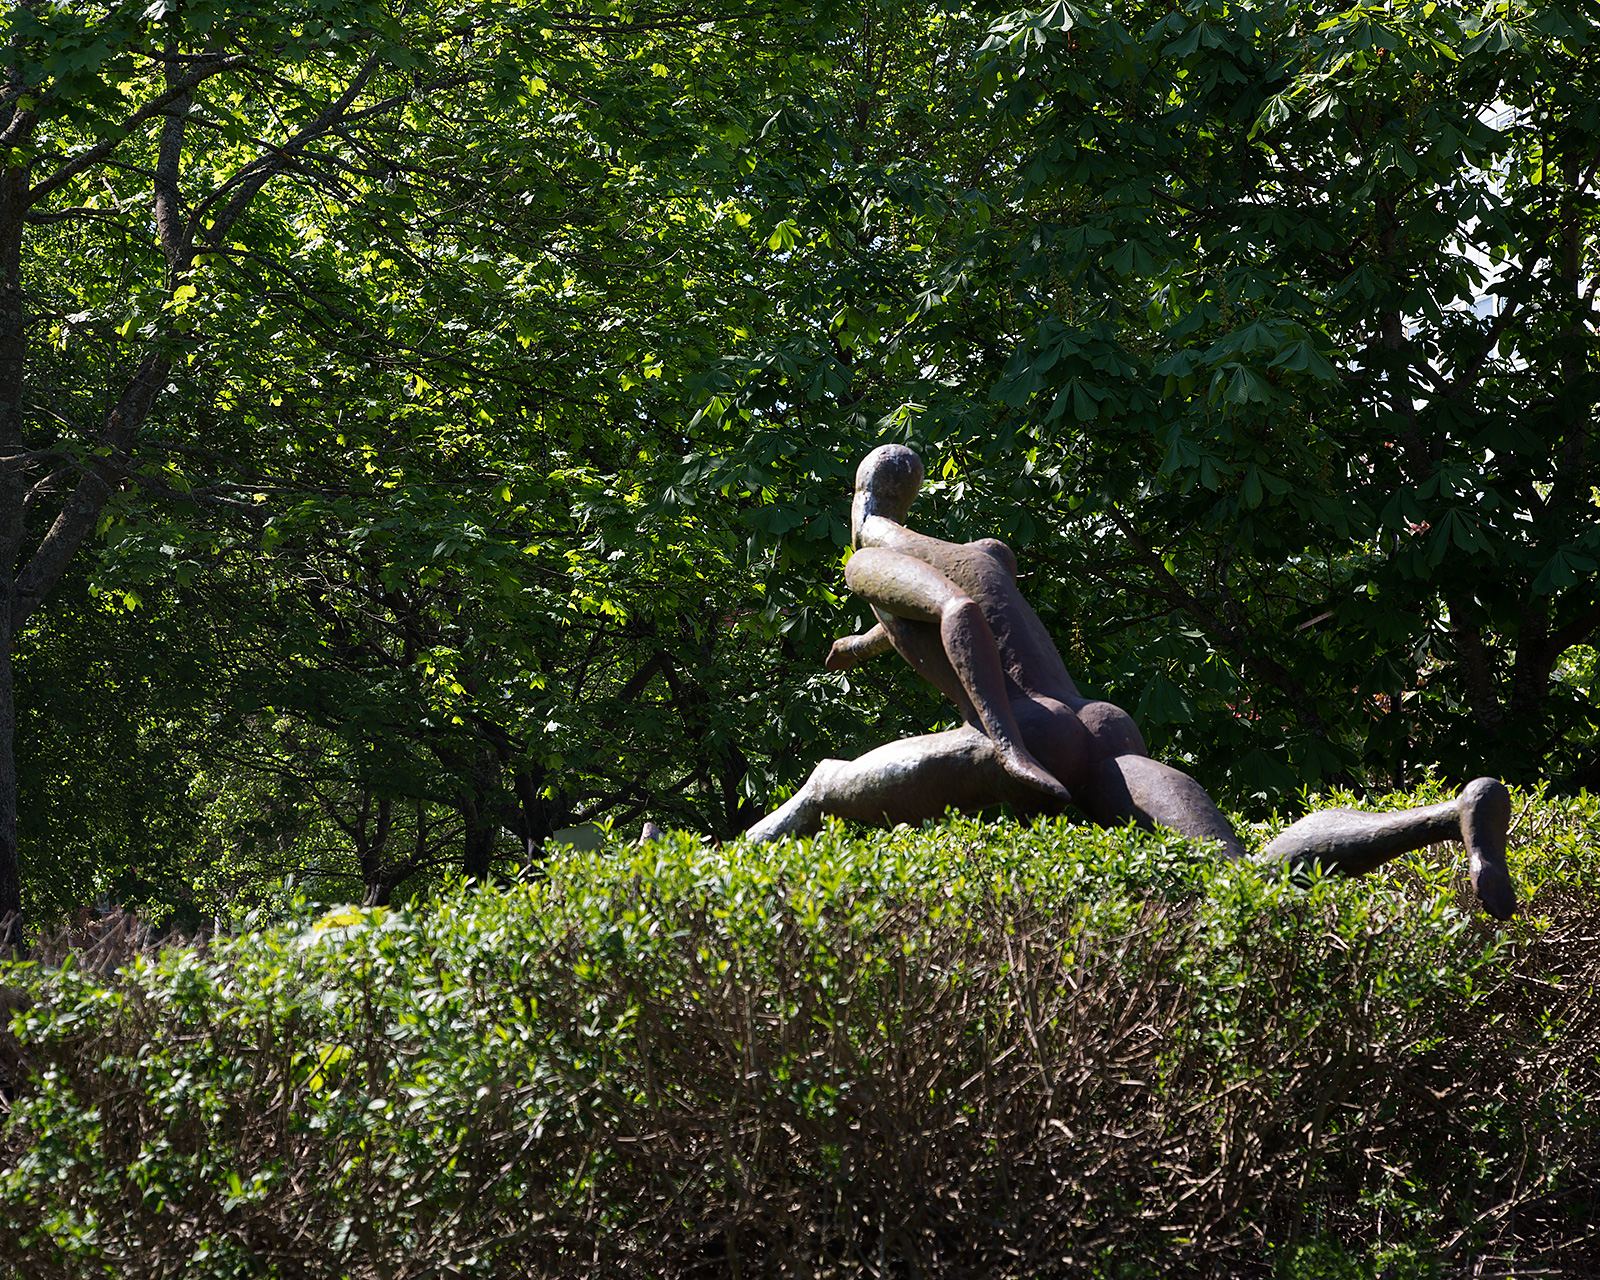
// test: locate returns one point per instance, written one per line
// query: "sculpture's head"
(887, 483)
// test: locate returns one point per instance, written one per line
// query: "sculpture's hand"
(847, 651)
(842, 656)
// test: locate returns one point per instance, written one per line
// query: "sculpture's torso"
(1064, 730)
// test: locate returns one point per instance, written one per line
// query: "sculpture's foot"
(1485, 807)
(1025, 769)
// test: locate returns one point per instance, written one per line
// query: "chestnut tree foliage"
(1268, 332)
(340, 334)
(431, 425)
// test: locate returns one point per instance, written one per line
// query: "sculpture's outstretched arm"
(847, 651)
(891, 535)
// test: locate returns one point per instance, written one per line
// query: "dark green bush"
(976, 1050)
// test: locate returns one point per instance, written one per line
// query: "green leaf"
(1162, 702)
(1561, 571)
(1247, 387)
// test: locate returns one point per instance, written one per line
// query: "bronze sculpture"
(1029, 739)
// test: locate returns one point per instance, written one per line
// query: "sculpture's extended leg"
(1151, 793)
(1344, 840)
(1352, 842)
(907, 781)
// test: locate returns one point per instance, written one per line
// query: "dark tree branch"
(255, 176)
(1468, 373)
(1234, 635)
(1574, 632)
(176, 89)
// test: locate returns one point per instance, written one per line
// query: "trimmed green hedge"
(976, 1049)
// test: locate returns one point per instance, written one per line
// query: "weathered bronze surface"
(1029, 739)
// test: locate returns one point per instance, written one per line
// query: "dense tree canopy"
(428, 428)
(1268, 331)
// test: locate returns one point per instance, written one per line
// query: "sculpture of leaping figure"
(1029, 739)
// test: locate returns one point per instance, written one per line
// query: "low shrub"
(976, 1049)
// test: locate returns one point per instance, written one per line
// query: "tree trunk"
(478, 854)
(377, 876)
(13, 506)
(10, 863)
(536, 814)
(481, 816)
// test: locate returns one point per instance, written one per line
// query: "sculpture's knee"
(960, 610)
(817, 785)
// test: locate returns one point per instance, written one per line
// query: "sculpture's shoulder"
(994, 547)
